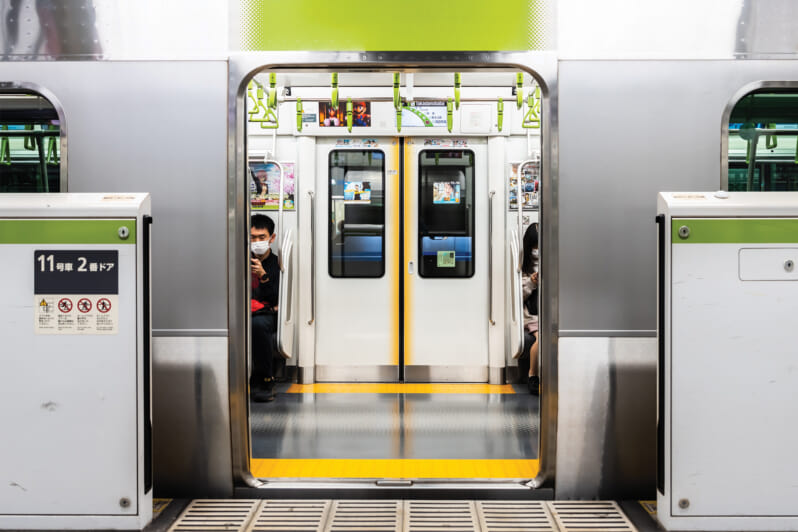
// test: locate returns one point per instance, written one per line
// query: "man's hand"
(257, 267)
(535, 278)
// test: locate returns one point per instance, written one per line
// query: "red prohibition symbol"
(103, 305)
(84, 305)
(65, 305)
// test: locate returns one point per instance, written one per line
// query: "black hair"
(530, 243)
(261, 221)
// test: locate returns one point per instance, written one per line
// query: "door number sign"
(75, 292)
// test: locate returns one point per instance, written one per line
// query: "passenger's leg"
(534, 380)
(533, 356)
(262, 379)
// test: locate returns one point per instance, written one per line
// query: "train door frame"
(242, 67)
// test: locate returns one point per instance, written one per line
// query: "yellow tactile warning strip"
(159, 505)
(649, 506)
(443, 388)
(393, 468)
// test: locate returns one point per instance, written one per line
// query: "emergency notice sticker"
(76, 292)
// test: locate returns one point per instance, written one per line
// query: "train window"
(356, 213)
(763, 142)
(30, 148)
(446, 214)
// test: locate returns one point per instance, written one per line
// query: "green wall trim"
(37, 231)
(380, 25)
(736, 230)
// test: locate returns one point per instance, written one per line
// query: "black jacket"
(268, 291)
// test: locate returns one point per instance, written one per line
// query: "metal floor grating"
(589, 516)
(402, 516)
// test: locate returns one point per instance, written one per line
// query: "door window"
(763, 147)
(30, 158)
(446, 213)
(356, 213)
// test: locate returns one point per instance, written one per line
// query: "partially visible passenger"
(528, 358)
(265, 272)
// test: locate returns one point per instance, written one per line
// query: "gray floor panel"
(422, 426)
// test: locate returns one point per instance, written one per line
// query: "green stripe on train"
(736, 230)
(382, 25)
(104, 231)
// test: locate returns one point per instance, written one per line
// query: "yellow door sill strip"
(301, 468)
(442, 388)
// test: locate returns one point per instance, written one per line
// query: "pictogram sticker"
(84, 305)
(103, 305)
(65, 305)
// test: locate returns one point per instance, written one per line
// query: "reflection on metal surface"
(49, 27)
(191, 442)
(446, 373)
(112, 29)
(767, 27)
(607, 434)
(355, 373)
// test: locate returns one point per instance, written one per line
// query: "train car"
(402, 153)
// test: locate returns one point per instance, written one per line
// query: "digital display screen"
(446, 192)
(357, 191)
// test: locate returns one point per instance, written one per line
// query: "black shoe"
(262, 395)
(534, 385)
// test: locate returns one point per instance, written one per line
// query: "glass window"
(763, 142)
(30, 158)
(446, 213)
(357, 213)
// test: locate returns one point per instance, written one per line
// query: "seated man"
(265, 270)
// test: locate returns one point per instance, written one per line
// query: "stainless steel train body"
(624, 118)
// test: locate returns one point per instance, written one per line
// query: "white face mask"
(259, 248)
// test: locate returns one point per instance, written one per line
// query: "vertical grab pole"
(490, 257)
(312, 260)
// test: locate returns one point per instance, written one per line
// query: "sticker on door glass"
(446, 259)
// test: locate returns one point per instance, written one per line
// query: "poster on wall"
(331, 117)
(530, 185)
(264, 185)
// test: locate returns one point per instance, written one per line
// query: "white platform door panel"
(357, 260)
(733, 309)
(446, 260)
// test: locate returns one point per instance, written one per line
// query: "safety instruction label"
(75, 314)
(75, 291)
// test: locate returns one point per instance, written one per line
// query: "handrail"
(490, 257)
(513, 262)
(517, 294)
(312, 261)
(285, 293)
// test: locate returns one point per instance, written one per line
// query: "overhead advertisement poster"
(424, 114)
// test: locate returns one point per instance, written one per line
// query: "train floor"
(319, 515)
(396, 431)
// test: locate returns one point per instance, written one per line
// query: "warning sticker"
(71, 314)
